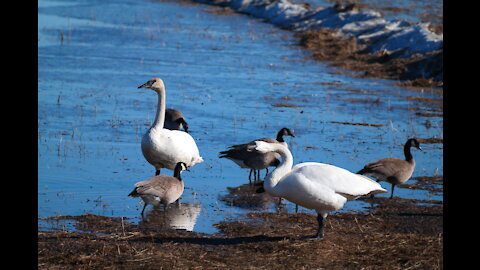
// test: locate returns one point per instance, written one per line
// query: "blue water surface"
(234, 78)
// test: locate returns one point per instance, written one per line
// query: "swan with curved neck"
(393, 170)
(314, 185)
(164, 148)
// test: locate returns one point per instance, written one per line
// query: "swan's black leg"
(320, 233)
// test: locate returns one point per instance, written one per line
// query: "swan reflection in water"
(179, 216)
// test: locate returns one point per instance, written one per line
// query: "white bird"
(314, 185)
(161, 189)
(164, 148)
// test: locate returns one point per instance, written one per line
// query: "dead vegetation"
(325, 45)
(397, 234)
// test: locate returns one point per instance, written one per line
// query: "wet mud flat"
(392, 234)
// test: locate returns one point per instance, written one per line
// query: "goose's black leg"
(157, 172)
(266, 172)
(250, 177)
(393, 187)
(144, 205)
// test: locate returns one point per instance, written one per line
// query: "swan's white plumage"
(313, 185)
(164, 148)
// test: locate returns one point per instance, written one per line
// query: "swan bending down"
(164, 148)
(161, 189)
(314, 185)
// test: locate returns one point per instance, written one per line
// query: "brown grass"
(347, 54)
(398, 234)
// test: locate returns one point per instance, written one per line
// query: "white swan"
(164, 148)
(313, 185)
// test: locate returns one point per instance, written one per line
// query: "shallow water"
(234, 78)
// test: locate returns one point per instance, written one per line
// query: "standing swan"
(313, 185)
(161, 189)
(164, 148)
(393, 170)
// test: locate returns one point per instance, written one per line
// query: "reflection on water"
(181, 216)
(246, 197)
(89, 128)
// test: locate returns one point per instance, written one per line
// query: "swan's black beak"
(145, 85)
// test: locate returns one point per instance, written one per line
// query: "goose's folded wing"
(156, 186)
(383, 167)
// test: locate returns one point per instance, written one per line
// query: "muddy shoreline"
(395, 234)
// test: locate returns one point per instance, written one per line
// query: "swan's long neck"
(285, 166)
(160, 117)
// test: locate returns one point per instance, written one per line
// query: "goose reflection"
(179, 216)
(246, 196)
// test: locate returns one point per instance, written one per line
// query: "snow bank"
(371, 30)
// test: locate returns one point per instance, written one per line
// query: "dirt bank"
(325, 45)
(397, 234)
(355, 51)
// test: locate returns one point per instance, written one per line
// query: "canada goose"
(253, 160)
(393, 170)
(161, 189)
(174, 120)
(164, 148)
(313, 185)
